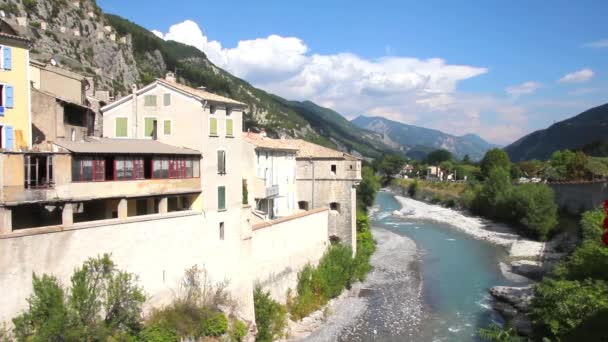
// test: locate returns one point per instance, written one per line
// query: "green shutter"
(149, 127)
(150, 100)
(121, 127)
(229, 131)
(213, 126)
(167, 99)
(167, 127)
(221, 197)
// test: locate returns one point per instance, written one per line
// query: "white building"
(270, 175)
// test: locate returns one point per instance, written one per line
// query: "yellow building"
(15, 107)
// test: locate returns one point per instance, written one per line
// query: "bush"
(214, 324)
(270, 316)
(413, 189)
(239, 331)
(157, 333)
(562, 305)
(102, 302)
(533, 207)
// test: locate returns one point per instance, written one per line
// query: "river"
(429, 283)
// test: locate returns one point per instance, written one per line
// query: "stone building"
(60, 107)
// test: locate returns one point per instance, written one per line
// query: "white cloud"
(417, 91)
(580, 76)
(603, 43)
(525, 88)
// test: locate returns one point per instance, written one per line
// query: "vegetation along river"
(429, 283)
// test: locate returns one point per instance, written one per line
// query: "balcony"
(272, 190)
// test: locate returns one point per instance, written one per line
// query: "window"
(150, 100)
(6, 97)
(167, 127)
(150, 128)
(120, 127)
(213, 127)
(221, 230)
(228, 111)
(212, 109)
(127, 168)
(221, 162)
(167, 99)
(175, 167)
(334, 206)
(9, 139)
(303, 205)
(229, 128)
(7, 58)
(38, 171)
(333, 169)
(88, 169)
(221, 198)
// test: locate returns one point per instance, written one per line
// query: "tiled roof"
(260, 141)
(203, 94)
(309, 150)
(123, 146)
(11, 36)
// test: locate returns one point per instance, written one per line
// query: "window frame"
(149, 96)
(165, 97)
(221, 206)
(222, 231)
(170, 127)
(220, 171)
(231, 135)
(217, 127)
(137, 164)
(95, 163)
(179, 172)
(126, 127)
(144, 135)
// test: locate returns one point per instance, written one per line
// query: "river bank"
(351, 316)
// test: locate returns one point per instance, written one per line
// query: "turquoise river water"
(454, 272)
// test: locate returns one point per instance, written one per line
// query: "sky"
(499, 69)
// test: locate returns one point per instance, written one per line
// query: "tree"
(596, 168)
(101, 302)
(367, 189)
(466, 159)
(530, 168)
(391, 165)
(492, 199)
(533, 207)
(494, 158)
(438, 156)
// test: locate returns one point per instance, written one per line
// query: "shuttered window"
(9, 138)
(213, 127)
(8, 96)
(167, 127)
(150, 100)
(229, 128)
(121, 127)
(221, 197)
(7, 58)
(167, 99)
(149, 127)
(221, 162)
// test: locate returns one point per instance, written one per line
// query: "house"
(15, 111)
(434, 173)
(95, 180)
(328, 178)
(270, 175)
(407, 171)
(60, 107)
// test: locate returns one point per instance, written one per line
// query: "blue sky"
(498, 69)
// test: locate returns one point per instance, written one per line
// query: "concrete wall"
(158, 249)
(282, 249)
(63, 83)
(578, 198)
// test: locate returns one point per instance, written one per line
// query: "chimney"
(170, 77)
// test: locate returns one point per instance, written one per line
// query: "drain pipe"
(312, 200)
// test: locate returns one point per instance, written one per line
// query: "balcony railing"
(272, 191)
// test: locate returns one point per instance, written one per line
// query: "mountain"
(117, 53)
(417, 142)
(587, 127)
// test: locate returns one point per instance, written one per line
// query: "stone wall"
(576, 198)
(281, 249)
(157, 249)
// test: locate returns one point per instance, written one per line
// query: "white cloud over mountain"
(413, 90)
(579, 76)
(525, 88)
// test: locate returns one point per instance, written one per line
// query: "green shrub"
(157, 333)
(214, 324)
(413, 189)
(562, 305)
(239, 331)
(270, 316)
